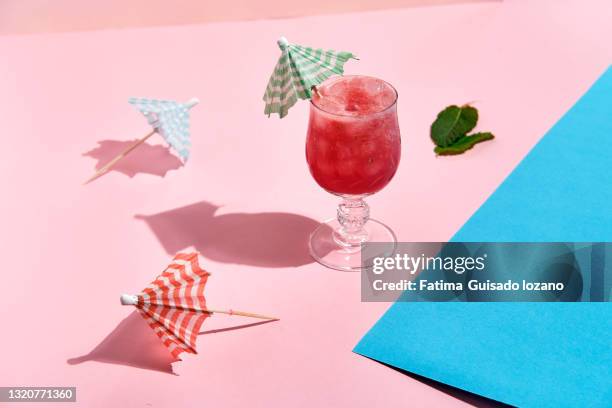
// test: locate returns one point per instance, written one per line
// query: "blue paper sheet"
(525, 354)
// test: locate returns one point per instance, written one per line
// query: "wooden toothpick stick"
(121, 155)
(239, 313)
(315, 90)
(207, 310)
(133, 300)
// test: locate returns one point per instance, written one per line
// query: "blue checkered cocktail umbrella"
(168, 118)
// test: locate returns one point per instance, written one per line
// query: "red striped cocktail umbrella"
(174, 304)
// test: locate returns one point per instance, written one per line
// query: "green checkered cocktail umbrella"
(299, 69)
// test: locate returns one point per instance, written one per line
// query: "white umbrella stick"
(121, 155)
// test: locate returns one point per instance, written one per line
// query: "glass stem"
(353, 213)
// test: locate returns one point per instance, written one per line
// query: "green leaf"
(464, 143)
(453, 123)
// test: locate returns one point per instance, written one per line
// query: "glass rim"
(386, 108)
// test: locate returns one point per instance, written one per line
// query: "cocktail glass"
(353, 150)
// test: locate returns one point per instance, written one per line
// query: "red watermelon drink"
(353, 143)
(353, 149)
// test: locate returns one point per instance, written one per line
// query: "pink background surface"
(38, 16)
(70, 250)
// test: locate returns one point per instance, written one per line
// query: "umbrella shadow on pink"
(134, 344)
(146, 158)
(269, 239)
(131, 343)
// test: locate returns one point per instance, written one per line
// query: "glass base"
(327, 251)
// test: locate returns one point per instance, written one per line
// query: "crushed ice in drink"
(354, 96)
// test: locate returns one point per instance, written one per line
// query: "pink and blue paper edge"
(524, 354)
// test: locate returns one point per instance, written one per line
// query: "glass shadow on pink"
(353, 150)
